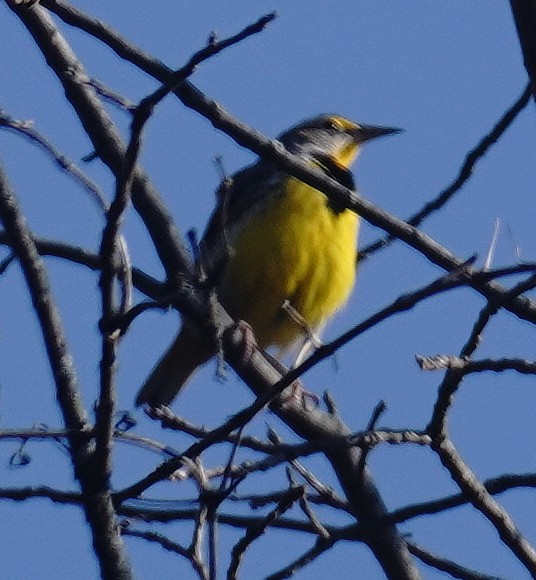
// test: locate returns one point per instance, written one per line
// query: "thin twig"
(41, 491)
(6, 262)
(212, 49)
(380, 408)
(467, 366)
(447, 566)
(324, 491)
(170, 546)
(494, 486)
(453, 377)
(230, 463)
(172, 421)
(254, 532)
(26, 128)
(491, 309)
(321, 546)
(111, 96)
(311, 516)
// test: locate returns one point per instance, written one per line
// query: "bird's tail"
(173, 370)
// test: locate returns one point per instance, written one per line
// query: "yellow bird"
(284, 254)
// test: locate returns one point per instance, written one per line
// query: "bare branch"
(168, 545)
(442, 362)
(444, 565)
(321, 546)
(494, 486)
(27, 129)
(172, 421)
(143, 282)
(254, 532)
(453, 377)
(56, 344)
(391, 437)
(41, 491)
(484, 503)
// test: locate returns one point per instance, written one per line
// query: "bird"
(283, 255)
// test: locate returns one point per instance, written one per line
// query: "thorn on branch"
(6, 262)
(255, 531)
(27, 129)
(212, 38)
(90, 157)
(20, 458)
(331, 406)
(111, 96)
(126, 422)
(379, 410)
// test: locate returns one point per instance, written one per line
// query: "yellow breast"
(295, 248)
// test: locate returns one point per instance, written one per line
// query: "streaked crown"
(332, 136)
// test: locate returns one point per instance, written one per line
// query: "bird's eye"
(334, 124)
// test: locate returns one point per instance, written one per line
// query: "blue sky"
(444, 72)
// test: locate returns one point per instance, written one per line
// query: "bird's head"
(331, 136)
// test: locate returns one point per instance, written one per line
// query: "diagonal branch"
(451, 568)
(170, 546)
(254, 532)
(27, 129)
(479, 497)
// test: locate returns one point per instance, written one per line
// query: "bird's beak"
(364, 133)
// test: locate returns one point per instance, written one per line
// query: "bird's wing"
(244, 194)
